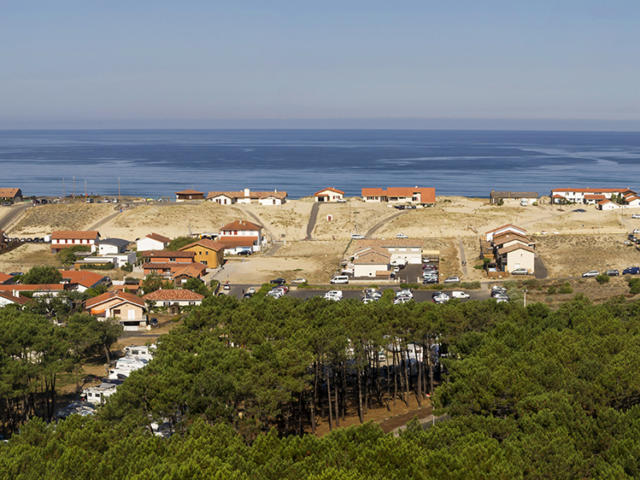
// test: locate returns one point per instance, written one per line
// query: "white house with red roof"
(329, 194)
(508, 228)
(153, 241)
(61, 239)
(631, 199)
(247, 196)
(8, 298)
(82, 280)
(241, 235)
(173, 298)
(586, 195)
(401, 195)
(126, 308)
(607, 205)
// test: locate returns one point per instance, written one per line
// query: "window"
(116, 311)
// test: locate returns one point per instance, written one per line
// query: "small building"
(515, 257)
(208, 252)
(36, 290)
(507, 239)
(173, 298)
(401, 250)
(128, 309)
(401, 195)
(82, 280)
(329, 194)
(7, 298)
(248, 196)
(632, 200)
(607, 205)
(97, 395)
(61, 239)
(6, 279)
(153, 241)
(11, 194)
(167, 256)
(241, 235)
(496, 197)
(579, 195)
(370, 261)
(112, 246)
(185, 195)
(504, 229)
(181, 273)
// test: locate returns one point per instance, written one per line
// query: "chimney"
(246, 192)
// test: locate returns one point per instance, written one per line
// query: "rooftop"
(173, 294)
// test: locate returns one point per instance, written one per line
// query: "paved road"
(102, 222)
(313, 217)
(12, 213)
(463, 258)
(383, 222)
(540, 270)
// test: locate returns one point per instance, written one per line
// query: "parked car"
(401, 235)
(520, 271)
(635, 215)
(401, 300)
(278, 281)
(452, 280)
(631, 271)
(247, 295)
(440, 297)
(590, 273)
(226, 286)
(275, 293)
(340, 279)
(367, 300)
(251, 291)
(357, 236)
(245, 252)
(298, 281)
(612, 273)
(153, 322)
(404, 293)
(334, 295)
(498, 290)
(501, 299)
(459, 294)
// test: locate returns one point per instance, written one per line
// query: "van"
(524, 202)
(340, 279)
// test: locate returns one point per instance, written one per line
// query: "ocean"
(156, 163)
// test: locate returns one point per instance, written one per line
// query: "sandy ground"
(569, 242)
(26, 256)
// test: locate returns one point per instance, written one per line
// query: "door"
(131, 315)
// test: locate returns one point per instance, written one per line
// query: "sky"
(561, 64)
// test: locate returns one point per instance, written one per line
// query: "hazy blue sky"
(192, 63)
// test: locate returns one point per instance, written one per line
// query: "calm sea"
(158, 162)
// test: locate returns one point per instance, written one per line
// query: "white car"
(340, 279)
(367, 300)
(591, 273)
(357, 236)
(452, 280)
(401, 235)
(519, 271)
(401, 300)
(251, 291)
(635, 215)
(334, 295)
(298, 281)
(459, 294)
(275, 293)
(404, 293)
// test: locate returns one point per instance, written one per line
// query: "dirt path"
(103, 221)
(463, 258)
(540, 271)
(383, 222)
(12, 214)
(313, 217)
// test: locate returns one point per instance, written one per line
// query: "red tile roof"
(373, 192)
(107, 296)
(173, 295)
(252, 195)
(82, 277)
(158, 237)
(9, 192)
(590, 190)
(75, 235)
(241, 225)
(240, 241)
(189, 192)
(335, 190)
(513, 248)
(190, 270)
(5, 277)
(506, 226)
(12, 298)
(167, 254)
(41, 287)
(214, 245)
(427, 194)
(594, 196)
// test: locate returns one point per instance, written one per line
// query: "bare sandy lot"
(26, 256)
(353, 216)
(42, 220)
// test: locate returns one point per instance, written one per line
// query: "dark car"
(631, 271)
(244, 252)
(613, 273)
(247, 295)
(579, 210)
(153, 322)
(278, 281)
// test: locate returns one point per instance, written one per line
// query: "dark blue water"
(159, 162)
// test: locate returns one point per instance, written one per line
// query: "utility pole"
(118, 189)
(64, 190)
(74, 187)
(85, 188)
(525, 296)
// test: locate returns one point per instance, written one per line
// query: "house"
(118, 260)
(98, 394)
(515, 257)
(128, 309)
(371, 262)
(401, 195)
(248, 196)
(167, 256)
(10, 195)
(632, 200)
(82, 280)
(507, 239)
(185, 195)
(504, 229)
(181, 273)
(7, 298)
(241, 235)
(61, 239)
(577, 195)
(36, 290)
(6, 278)
(401, 250)
(208, 252)
(607, 205)
(112, 246)
(153, 241)
(173, 298)
(496, 197)
(329, 194)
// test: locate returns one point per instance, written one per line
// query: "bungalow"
(167, 256)
(176, 271)
(73, 238)
(607, 205)
(402, 195)
(247, 196)
(97, 395)
(173, 298)
(208, 252)
(577, 195)
(7, 298)
(497, 196)
(153, 241)
(185, 195)
(516, 257)
(126, 308)
(329, 194)
(112, 246)
(241, 235)
(82, 280)
(504, 229)
(371, 262)
(36, 290)
(10, 195)
(632, 200)
(117, 260)
(403, 250)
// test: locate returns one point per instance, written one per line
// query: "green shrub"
(551, 290)
(634, 285)
(127, 267)
(602, 279)
(565, 288)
